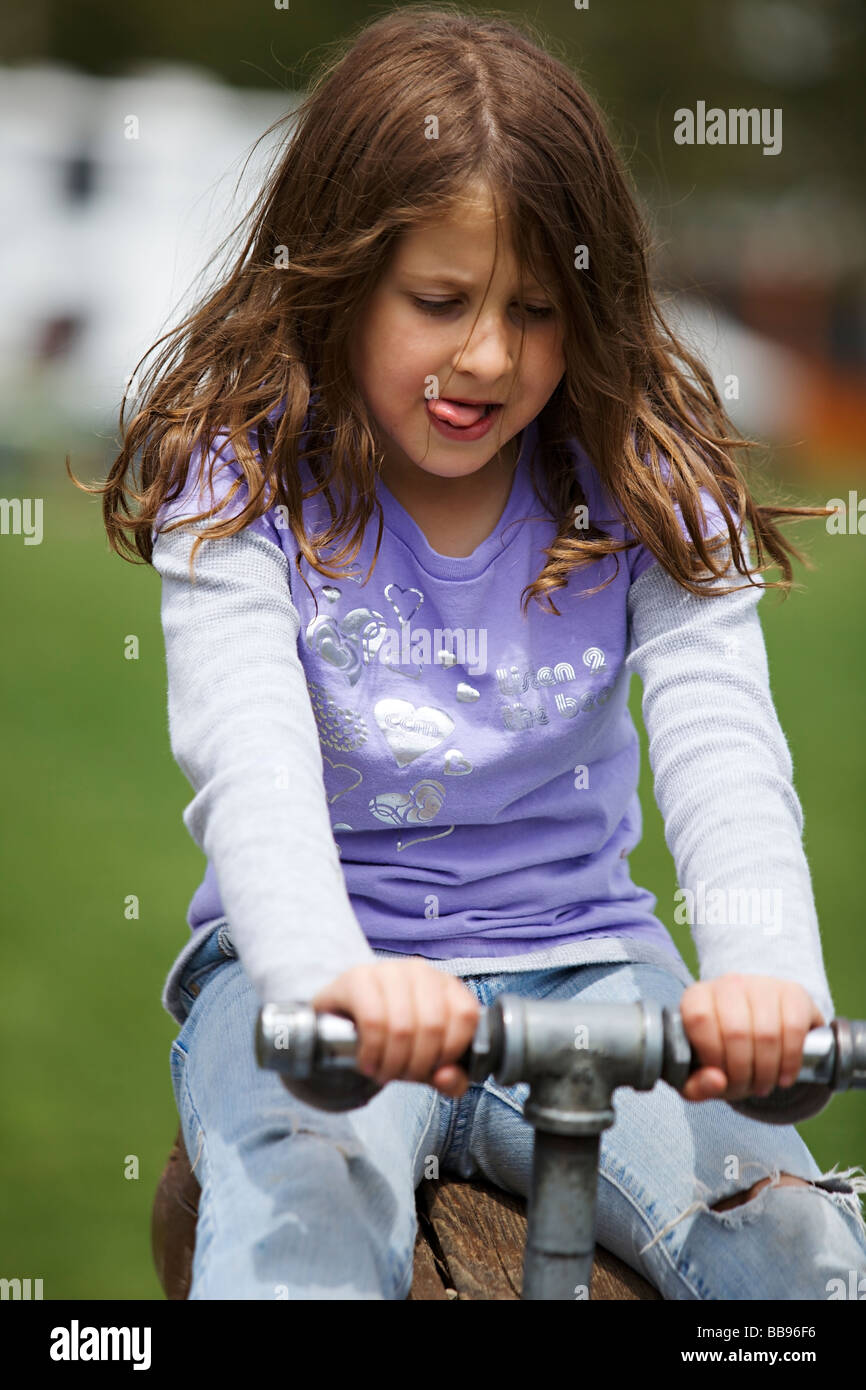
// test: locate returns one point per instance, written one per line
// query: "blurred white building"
(114, 193)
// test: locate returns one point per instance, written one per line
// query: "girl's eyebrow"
(458, 282)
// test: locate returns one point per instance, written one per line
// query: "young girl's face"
(400, 343)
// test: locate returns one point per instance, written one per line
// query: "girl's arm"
(723, 783)
(242, 729)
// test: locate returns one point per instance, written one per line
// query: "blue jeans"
(300, 1203)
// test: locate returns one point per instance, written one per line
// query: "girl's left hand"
(748, 1031)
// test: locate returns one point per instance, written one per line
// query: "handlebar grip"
(315, 1055)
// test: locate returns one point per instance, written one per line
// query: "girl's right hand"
(413, 1021)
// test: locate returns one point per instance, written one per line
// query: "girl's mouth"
(461, 419)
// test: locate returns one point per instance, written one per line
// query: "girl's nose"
(491, 350)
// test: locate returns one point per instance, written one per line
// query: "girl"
(415, 774)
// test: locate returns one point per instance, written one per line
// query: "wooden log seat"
(469, 1245)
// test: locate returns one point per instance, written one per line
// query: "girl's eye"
(433, 306)
(437, 306)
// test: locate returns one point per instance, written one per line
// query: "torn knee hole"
(841, 1184)
(738, 1198)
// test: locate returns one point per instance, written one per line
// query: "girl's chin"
(427, 449)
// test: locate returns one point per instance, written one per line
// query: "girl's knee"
(781, 1237)
(807, 1237)
(841, 1191)
(737, 1199)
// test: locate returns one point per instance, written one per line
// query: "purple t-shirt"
(481, 767)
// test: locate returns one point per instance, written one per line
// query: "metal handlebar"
(573, 1055)
(316, 1052)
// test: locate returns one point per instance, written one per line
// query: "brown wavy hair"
(355, 172)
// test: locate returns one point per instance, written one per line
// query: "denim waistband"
(215, 947)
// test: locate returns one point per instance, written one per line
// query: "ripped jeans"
(300, 1203)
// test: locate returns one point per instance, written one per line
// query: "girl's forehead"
(435, 247)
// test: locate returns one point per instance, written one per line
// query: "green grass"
(94, 802)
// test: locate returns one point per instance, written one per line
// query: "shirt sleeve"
(242, 729)
(723, 783)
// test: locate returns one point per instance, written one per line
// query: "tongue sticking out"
(453, 413)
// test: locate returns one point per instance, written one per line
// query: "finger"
(463, 1014)
(734, 1011)
(698, 1012)
(708, 1083)
(797, 1012)
(333, 997)
(365, 1003)
(401, 1022)
(765, 1001)
(431, 1009)
(450, 1080)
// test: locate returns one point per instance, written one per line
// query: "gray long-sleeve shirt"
(526, 861)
